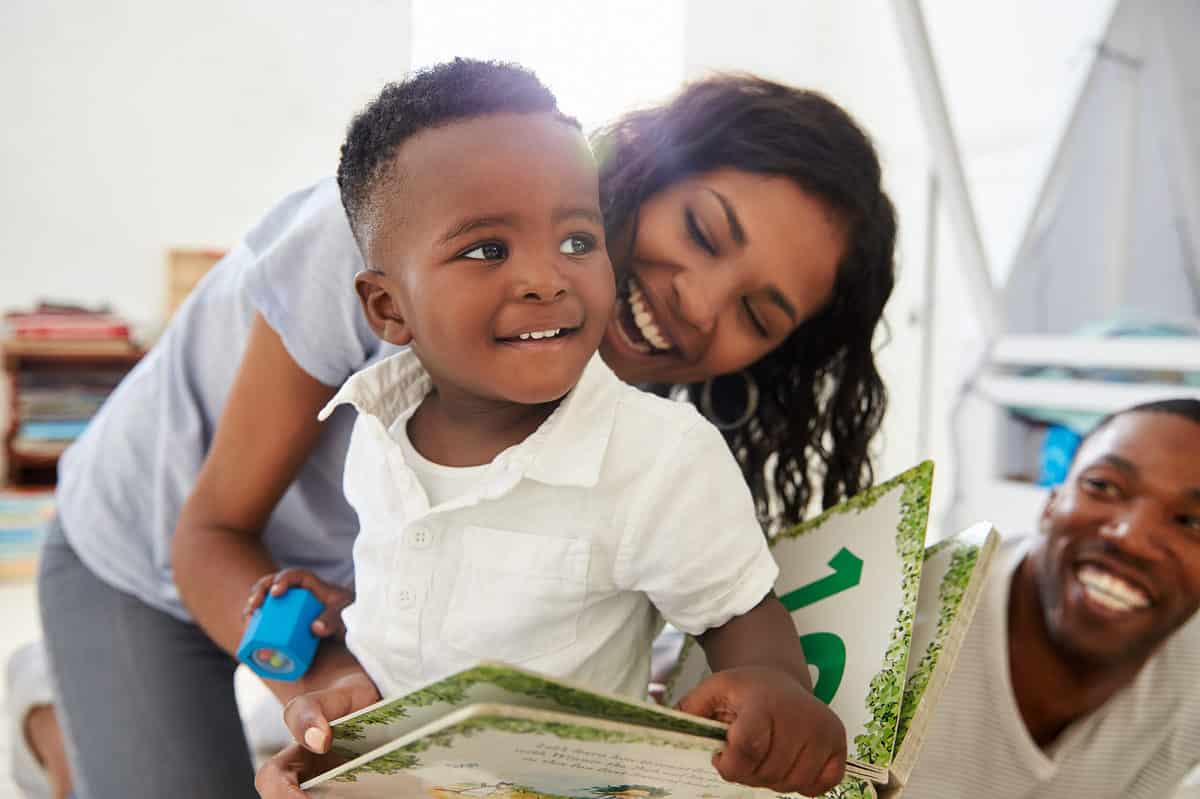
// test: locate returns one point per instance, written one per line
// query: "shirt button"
(419, 538)
(405, 597)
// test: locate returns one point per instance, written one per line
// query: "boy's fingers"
(713, 698)
(290, 577)
(307, 717)
(833, 772)
(307, 722)
(329, 622)
(747, 747)
(279, 777)
(780, 762)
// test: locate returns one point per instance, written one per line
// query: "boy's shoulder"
(647, 427)
(669, 417)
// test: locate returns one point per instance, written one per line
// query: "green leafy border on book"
(408, 757)
(850, 788)
(950, 595)
(877, 744)
(453, 691)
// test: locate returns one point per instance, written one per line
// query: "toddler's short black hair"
(429, 98)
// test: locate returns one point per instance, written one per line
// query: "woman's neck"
(470, 431)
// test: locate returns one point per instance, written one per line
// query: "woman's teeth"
(540, 334)
(1110, 591)
(644, 319)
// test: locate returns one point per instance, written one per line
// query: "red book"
(67, 326)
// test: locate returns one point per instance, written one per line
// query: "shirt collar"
(567, 449)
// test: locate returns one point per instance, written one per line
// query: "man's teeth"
(539, 334)
(644, 319)
(1111, 591)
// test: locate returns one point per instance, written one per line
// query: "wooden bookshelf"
(35, 463)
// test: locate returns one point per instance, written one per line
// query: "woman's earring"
(706, 403)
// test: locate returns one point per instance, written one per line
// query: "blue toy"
(1058, 449)
(279, 643)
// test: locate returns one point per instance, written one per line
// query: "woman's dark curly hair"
(821, 397)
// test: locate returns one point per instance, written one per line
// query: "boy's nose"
(540, 282)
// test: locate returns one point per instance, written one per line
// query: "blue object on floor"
(279, 643)
(1058, 450)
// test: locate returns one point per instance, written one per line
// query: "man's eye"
(1192, 523)
(577, 244)
(491, 251)
(1097, 485)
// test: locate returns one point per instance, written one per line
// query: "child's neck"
(454, 431)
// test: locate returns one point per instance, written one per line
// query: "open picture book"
(881, 620)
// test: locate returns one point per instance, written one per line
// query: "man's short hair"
(1184, 407)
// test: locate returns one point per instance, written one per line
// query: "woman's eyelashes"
(697, 233)
(760, 327)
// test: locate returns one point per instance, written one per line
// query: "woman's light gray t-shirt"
(122, 484)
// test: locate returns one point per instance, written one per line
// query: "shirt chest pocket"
(516, 596)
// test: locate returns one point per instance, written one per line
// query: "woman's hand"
(335, 598)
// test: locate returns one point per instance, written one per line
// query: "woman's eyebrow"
(735, 225)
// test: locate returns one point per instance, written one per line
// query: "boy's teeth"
(1111, 591)
(644, 319)
(540, 334)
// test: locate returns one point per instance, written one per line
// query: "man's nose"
(1135, 529)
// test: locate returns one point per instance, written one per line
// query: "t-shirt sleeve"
(302, 282)
(692, 540)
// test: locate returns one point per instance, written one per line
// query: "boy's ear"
(381, 309)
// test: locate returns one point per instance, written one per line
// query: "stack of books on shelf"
(24, 517)
(62, 363)
(54, 406)
(57, 329)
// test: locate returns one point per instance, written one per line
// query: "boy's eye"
(491, 251)
(577, 244)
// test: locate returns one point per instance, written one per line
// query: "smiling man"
(1079, 675)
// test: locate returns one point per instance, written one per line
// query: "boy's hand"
(780, 736)
(307, 717)
(334, 597)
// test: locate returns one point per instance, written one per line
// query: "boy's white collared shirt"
(621, 506)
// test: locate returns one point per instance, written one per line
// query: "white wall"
(135, 126)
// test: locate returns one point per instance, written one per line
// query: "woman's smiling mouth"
(636, 323)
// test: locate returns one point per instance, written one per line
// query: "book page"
(850, 578)
(952, 579)
(519, 753)
(499, 683)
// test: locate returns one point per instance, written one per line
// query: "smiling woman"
(751, 236)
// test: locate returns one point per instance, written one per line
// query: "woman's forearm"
(215, 569)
